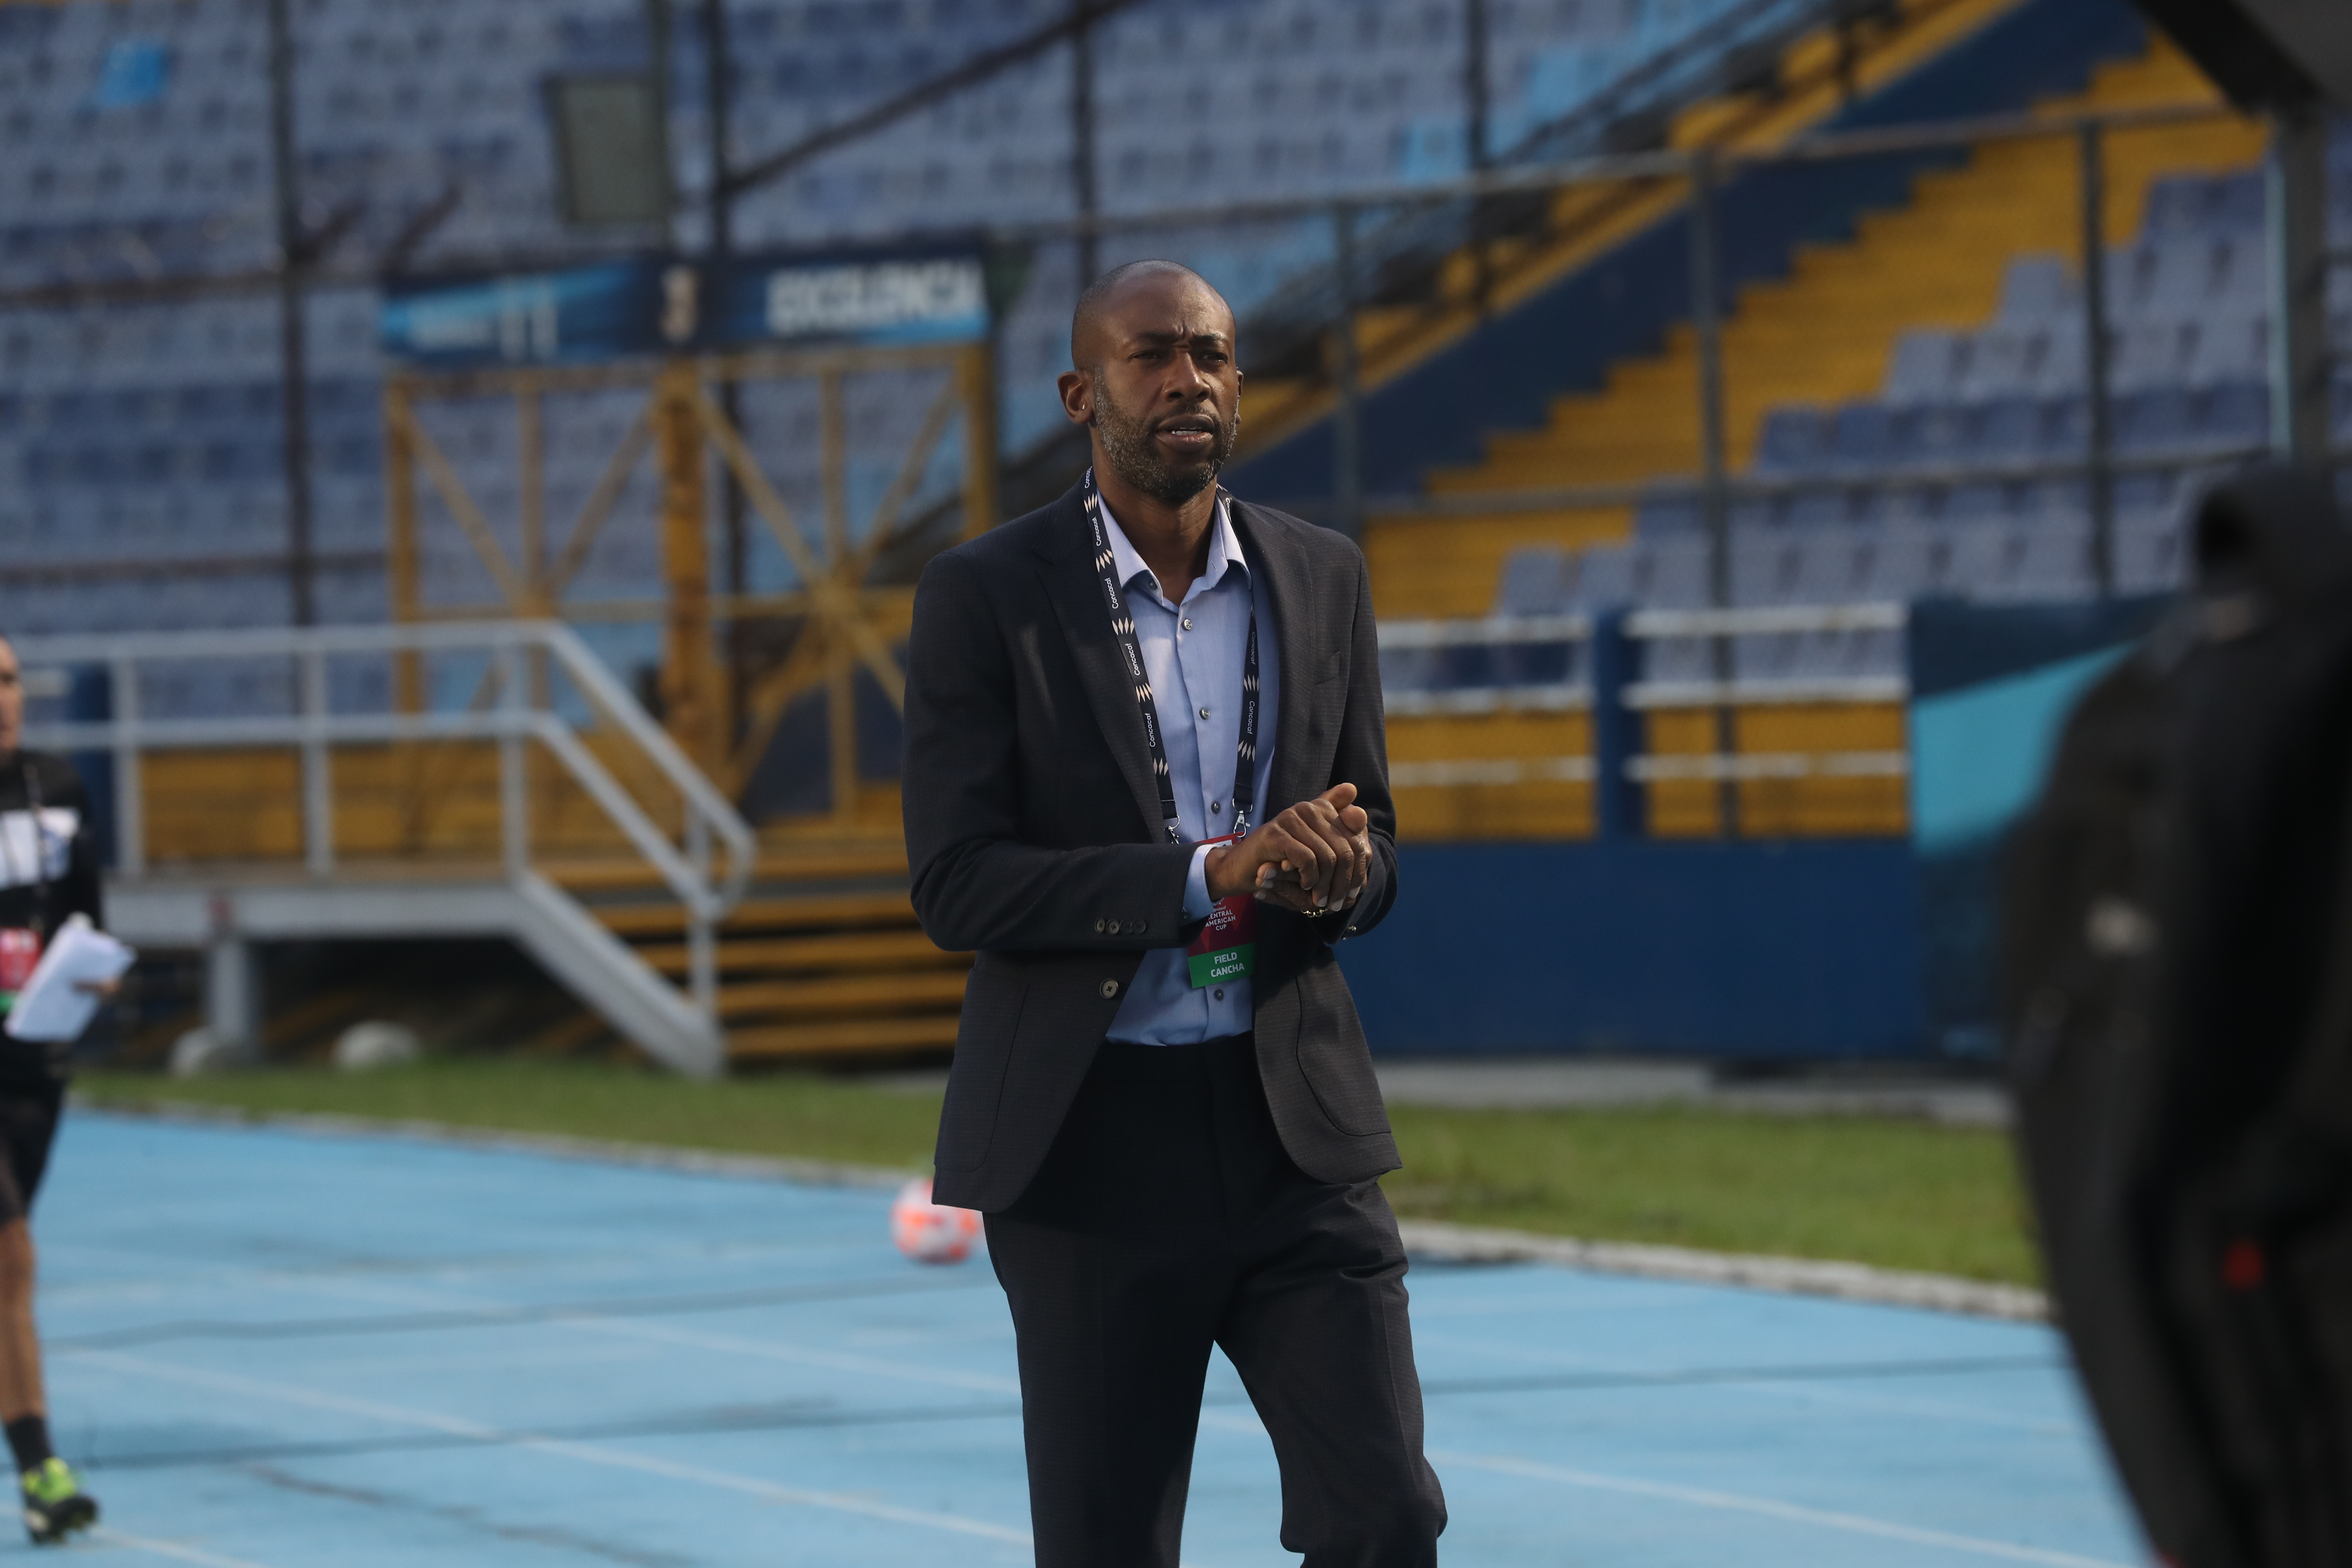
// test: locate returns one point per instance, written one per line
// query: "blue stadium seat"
(1671, 574)
(1601, 578)
(1828, 509)
(1794, 441)
(2153, 420)
(1928, 367)
(2237, 411)
(1532, 584)
(2011, 427)
(2040, 288)
(1865, 435)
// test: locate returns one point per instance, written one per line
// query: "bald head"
(1107, 295)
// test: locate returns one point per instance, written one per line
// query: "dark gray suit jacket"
(1034, 835)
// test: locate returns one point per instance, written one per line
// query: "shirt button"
(1216, 806)
(1219, 993)
(1204, 713)
(1188, 623)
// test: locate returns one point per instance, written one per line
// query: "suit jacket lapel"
(1289, 587)
(1067, 562)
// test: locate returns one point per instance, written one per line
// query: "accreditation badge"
(20, 950)
(1226, 948)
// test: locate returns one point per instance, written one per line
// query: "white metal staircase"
(546, 720)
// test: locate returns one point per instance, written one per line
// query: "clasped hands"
(1310, 859)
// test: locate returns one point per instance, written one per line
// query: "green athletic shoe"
(54, 1504)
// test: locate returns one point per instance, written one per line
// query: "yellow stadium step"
(898, 951)
(822, 960)
(840, 1039)
(815, 912)
(841, 996)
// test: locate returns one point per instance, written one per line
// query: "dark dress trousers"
(1145, 1202)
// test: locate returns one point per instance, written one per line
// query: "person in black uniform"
(49, 871)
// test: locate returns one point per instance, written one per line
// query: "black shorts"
(28, 1125)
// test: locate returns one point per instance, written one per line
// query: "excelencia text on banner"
(652, 305)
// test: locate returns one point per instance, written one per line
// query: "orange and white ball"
(928, 1232)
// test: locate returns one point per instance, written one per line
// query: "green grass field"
(1901, 1195)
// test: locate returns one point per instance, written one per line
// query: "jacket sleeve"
(976, 886)
(1362, 760)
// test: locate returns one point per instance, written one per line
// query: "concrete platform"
(1529, 1082)
(274, 1349)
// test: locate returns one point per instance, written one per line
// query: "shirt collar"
(1224, 551)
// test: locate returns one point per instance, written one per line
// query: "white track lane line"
(584, 1453)
(759, 1349)
(1769, 1508)
(172, 1549)
(644, 1331)
(1764, 1385)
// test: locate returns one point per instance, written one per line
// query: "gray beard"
(1136, 461)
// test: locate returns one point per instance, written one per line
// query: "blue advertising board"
(646, 305)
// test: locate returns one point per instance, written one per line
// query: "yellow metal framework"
(845, 621)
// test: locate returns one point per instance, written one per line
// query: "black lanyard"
(1122, 625)
(40, 848)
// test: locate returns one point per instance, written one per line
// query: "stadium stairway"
(823, 959)
(1824, 334)
(1814, 79)
(1928, 248)
(1827, 332)
(1608, 276)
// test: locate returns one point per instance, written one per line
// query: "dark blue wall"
(1793, 948)
(1503, 375)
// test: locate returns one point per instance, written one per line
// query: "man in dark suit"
(1161, 1098)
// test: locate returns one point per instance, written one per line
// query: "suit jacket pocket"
(984, 1037)
(1332, 1054)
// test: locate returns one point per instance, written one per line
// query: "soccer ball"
(928, 1232)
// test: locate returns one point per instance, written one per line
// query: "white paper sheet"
(51, 1007)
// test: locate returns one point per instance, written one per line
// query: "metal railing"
(1490, 632)
(1716, 626)
(1616, 690)
(512, 709)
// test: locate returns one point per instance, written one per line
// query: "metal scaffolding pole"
(1347, 430)
(2099, 474)
(717, 97)
(1477, 90)
(1715, 496)
(293, 355)
(2298, 226)
(1082, 138)
(1477, 93)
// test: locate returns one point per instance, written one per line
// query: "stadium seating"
(136, 144)
(1869, 356)
(1944, 336)
(1901, 348)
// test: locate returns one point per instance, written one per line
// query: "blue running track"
(274, 1349)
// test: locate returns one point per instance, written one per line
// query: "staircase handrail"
(705, 811)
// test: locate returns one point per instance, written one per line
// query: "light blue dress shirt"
(1193, 652)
